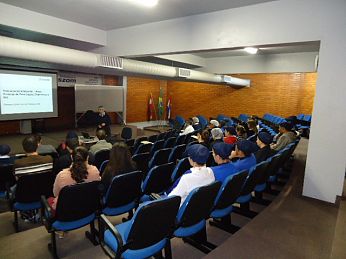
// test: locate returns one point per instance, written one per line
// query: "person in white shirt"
(188, 128)
(199, 175)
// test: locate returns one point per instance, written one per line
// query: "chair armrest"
(105, 223)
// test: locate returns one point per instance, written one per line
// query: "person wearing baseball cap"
(199, 175)
(243, 155)
(286, 136)
(214, 124)
(5, 157)
(224, 168)
(216, 135)
(263, 142)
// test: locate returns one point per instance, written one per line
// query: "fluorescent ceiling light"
(147, 3)
(251, 50)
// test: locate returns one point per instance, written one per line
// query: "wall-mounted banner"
(70, 79)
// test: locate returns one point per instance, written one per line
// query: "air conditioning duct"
(27, 50)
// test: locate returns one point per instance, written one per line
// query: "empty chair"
(152, 138)
(161, 136)
(143, 148)
(192, 216)
(126, 133)
(223, 205)
(158, 179)
(145, 235)
(180, 140)
(138, 142)
(30, 188)
(182, 166)
(156, 146)
(203, 121)
(160, 157)
(142, 161)
(123, 194)
(169, 143)
(100, 157)
(77, 207)
(6, 180)
(176, 153)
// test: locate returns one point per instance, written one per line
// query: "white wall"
(275, 22)
(29, 20)
(278, 63)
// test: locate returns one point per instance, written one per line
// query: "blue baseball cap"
(198, 153)
(223, 149)
(4, 149)
(246, 146)
(265, 137)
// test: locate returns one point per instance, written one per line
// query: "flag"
(160, 105)
(169, 106)
(151, 107)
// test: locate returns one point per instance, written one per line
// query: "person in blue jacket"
(221, 152)
(243, 157)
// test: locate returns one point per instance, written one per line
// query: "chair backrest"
(176, 153)
(230, 190)
(156, 146)
(143, 148)
(138, 142)
(158, 179)
(78, 201)
(274, 164)
(161, 136)
(130, 142)
(169, 143)
(261, 172)
(198, 205)
(180, 140)
(250, 182)
(182, 166)
(152, 138)
(142, 161)
(124, 189)
(30, 187)
(188, 138)
(6, 177)
(152, 222)
(160, 157)
(103, 166)
(100, 157)
(126, 133)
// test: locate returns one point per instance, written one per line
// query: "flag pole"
(151, 96)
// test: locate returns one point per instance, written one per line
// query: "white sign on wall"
(71, 79)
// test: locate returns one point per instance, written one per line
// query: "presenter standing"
(103, 121)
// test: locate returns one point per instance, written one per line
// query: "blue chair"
(161, 136)
(152, 138)
(180, 140)
(123, 194)
(103, 166)
(180, 120)
(156, 146)
(126, 133)
(193, 214)
(145, 235)
(170, 142)
(100, 157)
(223, 205)
(77, 207)
(176, 153)
(142, 161)
(138, 142)
(160, 157)
(143, 148)
(6, 179)
(182, 166)
(203, 121)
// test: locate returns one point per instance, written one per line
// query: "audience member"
(263, 142)
(5, 157)
(32, 157)
(62, 148)
(216, 135)
(64, 161)
(224, 168)
(241, 132)
(252, 130)
(230, 135)
(284, 137)
(243, 155)
(120, 162)
(213, 124)
(196, 125)
(44, 149)
(203, 138)
(101, 144)
(80, 171)
(199, 174)
(188, 128)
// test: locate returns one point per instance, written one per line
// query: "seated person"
(216, 135)
(263, 142)
(203, 138)
(241, 132)
(213, 124)
(80, 171)
(5, 157)
(44, 149)
(252, 130)
(32, 157)
(243, 156)
(230, 135)
(188, 128)
(120, 162)
(199, 175)
(224, 168)
(101, 144)
(195, 124)
(62, 148)
(285, 136)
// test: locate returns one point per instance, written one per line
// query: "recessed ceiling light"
(251, 50)
(147, 3)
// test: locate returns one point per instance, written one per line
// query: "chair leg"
(259, 199)
(15, 223)
(168, 250)
(92, 234)
(244, 210)
(225, 224)
(199, 240)
(52, 246)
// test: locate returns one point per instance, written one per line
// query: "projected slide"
(17, 97)
(25, 95)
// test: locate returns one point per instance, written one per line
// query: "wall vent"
(109, 61)
(183, 72)
(236, 81)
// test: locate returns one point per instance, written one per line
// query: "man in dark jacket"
(263, 142)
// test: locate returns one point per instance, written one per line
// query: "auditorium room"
(172, 129)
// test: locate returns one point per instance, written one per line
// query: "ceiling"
(113, 14)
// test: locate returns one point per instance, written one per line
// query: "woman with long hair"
(120, 162)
